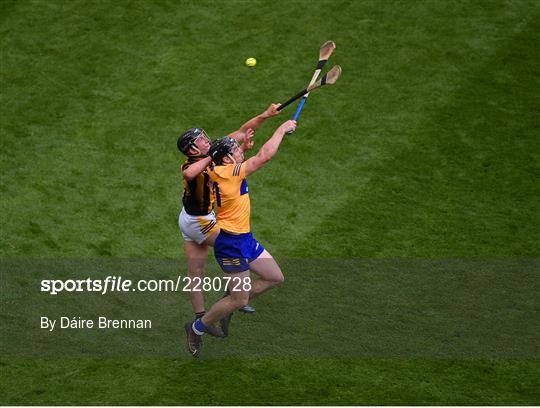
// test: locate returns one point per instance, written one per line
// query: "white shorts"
(197, 227)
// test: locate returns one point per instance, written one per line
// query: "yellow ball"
(251, 62)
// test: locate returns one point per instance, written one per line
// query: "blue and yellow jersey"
(232, 198)
(198, 197)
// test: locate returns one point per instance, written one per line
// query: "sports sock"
(199, 327)
(198, 315)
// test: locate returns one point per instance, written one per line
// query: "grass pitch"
(427, 148)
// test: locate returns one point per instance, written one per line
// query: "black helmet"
(187, 139)
(221, 148)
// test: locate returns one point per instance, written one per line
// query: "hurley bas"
(101, 323)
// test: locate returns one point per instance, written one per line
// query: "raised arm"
(270, 148)
(196, 168)
(256, 122)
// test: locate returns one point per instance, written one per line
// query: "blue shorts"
(234, 252)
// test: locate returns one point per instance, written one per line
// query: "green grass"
(280, 382)
(427, 148)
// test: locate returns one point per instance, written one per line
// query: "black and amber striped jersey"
(198, 196)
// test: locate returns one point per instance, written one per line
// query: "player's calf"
(239, 299)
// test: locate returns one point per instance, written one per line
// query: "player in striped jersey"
(235, 248)
(197, 220)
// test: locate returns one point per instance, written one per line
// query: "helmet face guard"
(222, 148)
(187, 140)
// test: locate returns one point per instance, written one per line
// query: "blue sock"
(199, 327)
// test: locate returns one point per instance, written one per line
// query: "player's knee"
(279, 279)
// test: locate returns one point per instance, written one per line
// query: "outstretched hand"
(248, 140)
(272, 110)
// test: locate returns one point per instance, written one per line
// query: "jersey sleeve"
(239, 171)
(235, 173)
